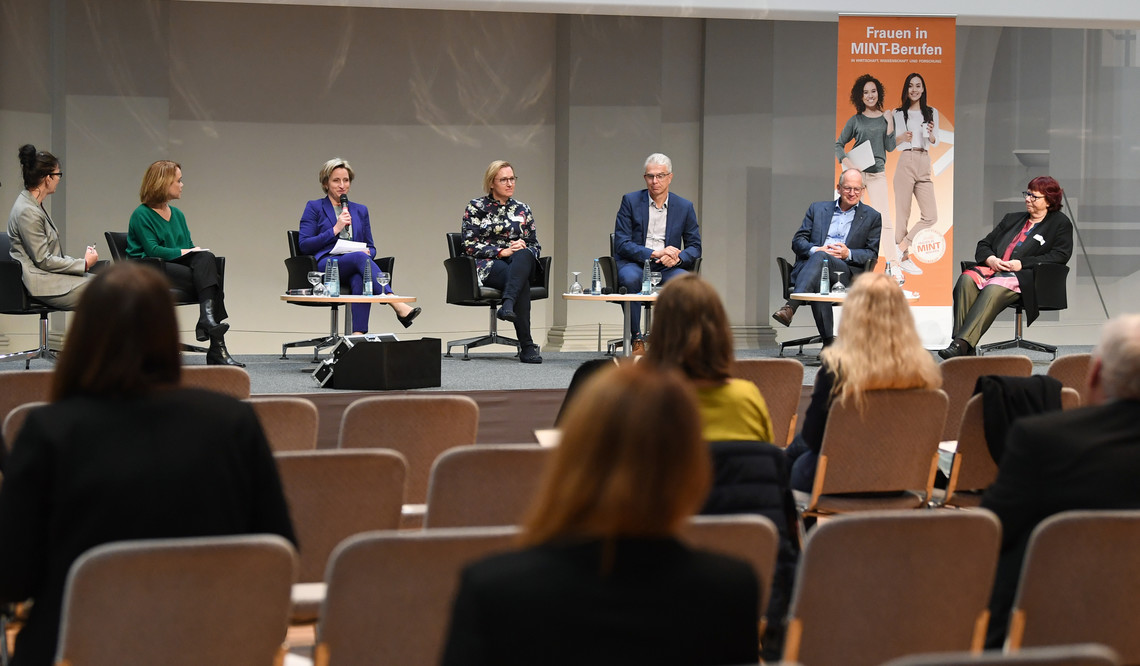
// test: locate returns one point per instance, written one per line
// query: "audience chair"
(226, 379)
(298, 266)
(1048, 286)
(117, 245)
(748, 537)
(882, 585)
(1085, 654)
(333, 495)
(420, 426)
(206, 600)
(14, 421)
(781, 383)
(390, 593)
(1080, 583)
(463, 288)
(18, 387)
(15, 300)
(1073, 372)
(960, 375)
(890, 448)
(290, 423)
(483, 485)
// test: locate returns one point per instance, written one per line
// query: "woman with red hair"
(1006, 258)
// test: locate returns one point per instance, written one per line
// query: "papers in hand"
(345, 246)
(861, 156)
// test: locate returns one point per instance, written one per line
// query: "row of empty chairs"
(872, 588)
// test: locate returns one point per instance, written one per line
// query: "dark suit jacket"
(317, 222)
(661, 603)
(1054, 247)
(1087, 458)
(862, 240)
(88, 471)
(632, 223)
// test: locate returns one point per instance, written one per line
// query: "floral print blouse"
(489, 226)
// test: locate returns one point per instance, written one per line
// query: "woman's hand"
(1003, 266)
(906, 137)
(343, 220)
(505, 252)
(890, 122)
(89, 258)
(188, 250)
(1014, 265)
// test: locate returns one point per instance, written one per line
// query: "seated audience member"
(123, 452)
(603, 578)
(1006, 258)
(877, 348)
(691, 333)
(655, 225)
(499, 232)
(158, 230)
(1086, 458)
(842, 234)
(333, 218)
(48, 274)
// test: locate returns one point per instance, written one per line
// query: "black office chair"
(117, 244)
(15, 300)
(785, 268)
(609, 275)
(299, 265)
(1049, 287)
(463, 288)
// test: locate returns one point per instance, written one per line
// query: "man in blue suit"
(843, 234)
(655, 225)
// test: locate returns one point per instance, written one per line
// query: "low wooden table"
(335, 302)
(627, 318)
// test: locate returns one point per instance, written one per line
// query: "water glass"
(576, 287)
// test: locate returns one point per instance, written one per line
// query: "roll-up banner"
(894, 120)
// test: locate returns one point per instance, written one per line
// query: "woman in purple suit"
(334, 217)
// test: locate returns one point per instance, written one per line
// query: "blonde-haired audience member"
(602, 577)
(878, 348)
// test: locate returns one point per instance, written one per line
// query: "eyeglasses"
(1031, 196)
(851, 189)
(657, 176)
(505, 181)
(57, 174)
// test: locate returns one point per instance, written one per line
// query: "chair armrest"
(869, 265)
(1049, 283)
(541, 289)
(967, 265)
(11, 286)
(298, 269)
(697, 265)
(609, 272)
(785, 269)
(462, 279)
(387, 264)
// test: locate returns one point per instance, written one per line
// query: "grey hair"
(659, 158)
(1119, 354)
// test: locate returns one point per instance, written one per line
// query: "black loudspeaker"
(381, 363)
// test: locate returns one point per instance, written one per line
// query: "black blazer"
(1087, 458)
(1049, 242)
(88, 471)
(660, 603)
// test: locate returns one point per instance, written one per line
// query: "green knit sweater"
(151, 236)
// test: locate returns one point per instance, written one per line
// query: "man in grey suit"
(49, 275)
(842, 234)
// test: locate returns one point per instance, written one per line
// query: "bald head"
(1116, 360)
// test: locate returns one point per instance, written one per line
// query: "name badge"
(1038, 238)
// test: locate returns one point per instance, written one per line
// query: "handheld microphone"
(344, 206)
(621, 290)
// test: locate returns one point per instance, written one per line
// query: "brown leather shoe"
(638, 347)
(784, 315)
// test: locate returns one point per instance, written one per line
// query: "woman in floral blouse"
(498, 232)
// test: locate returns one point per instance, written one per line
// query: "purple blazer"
(318, 220)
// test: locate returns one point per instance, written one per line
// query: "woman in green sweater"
(159, 230)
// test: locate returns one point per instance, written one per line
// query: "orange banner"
(897, 72)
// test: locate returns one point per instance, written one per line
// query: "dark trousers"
(976, 309)
(198, 272)
(804, 462)
(807, 281)
(351, 267)
(629, 276)
(512, 276)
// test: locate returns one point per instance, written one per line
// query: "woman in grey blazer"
(49, 275)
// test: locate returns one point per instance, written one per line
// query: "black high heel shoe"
(407, 319)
